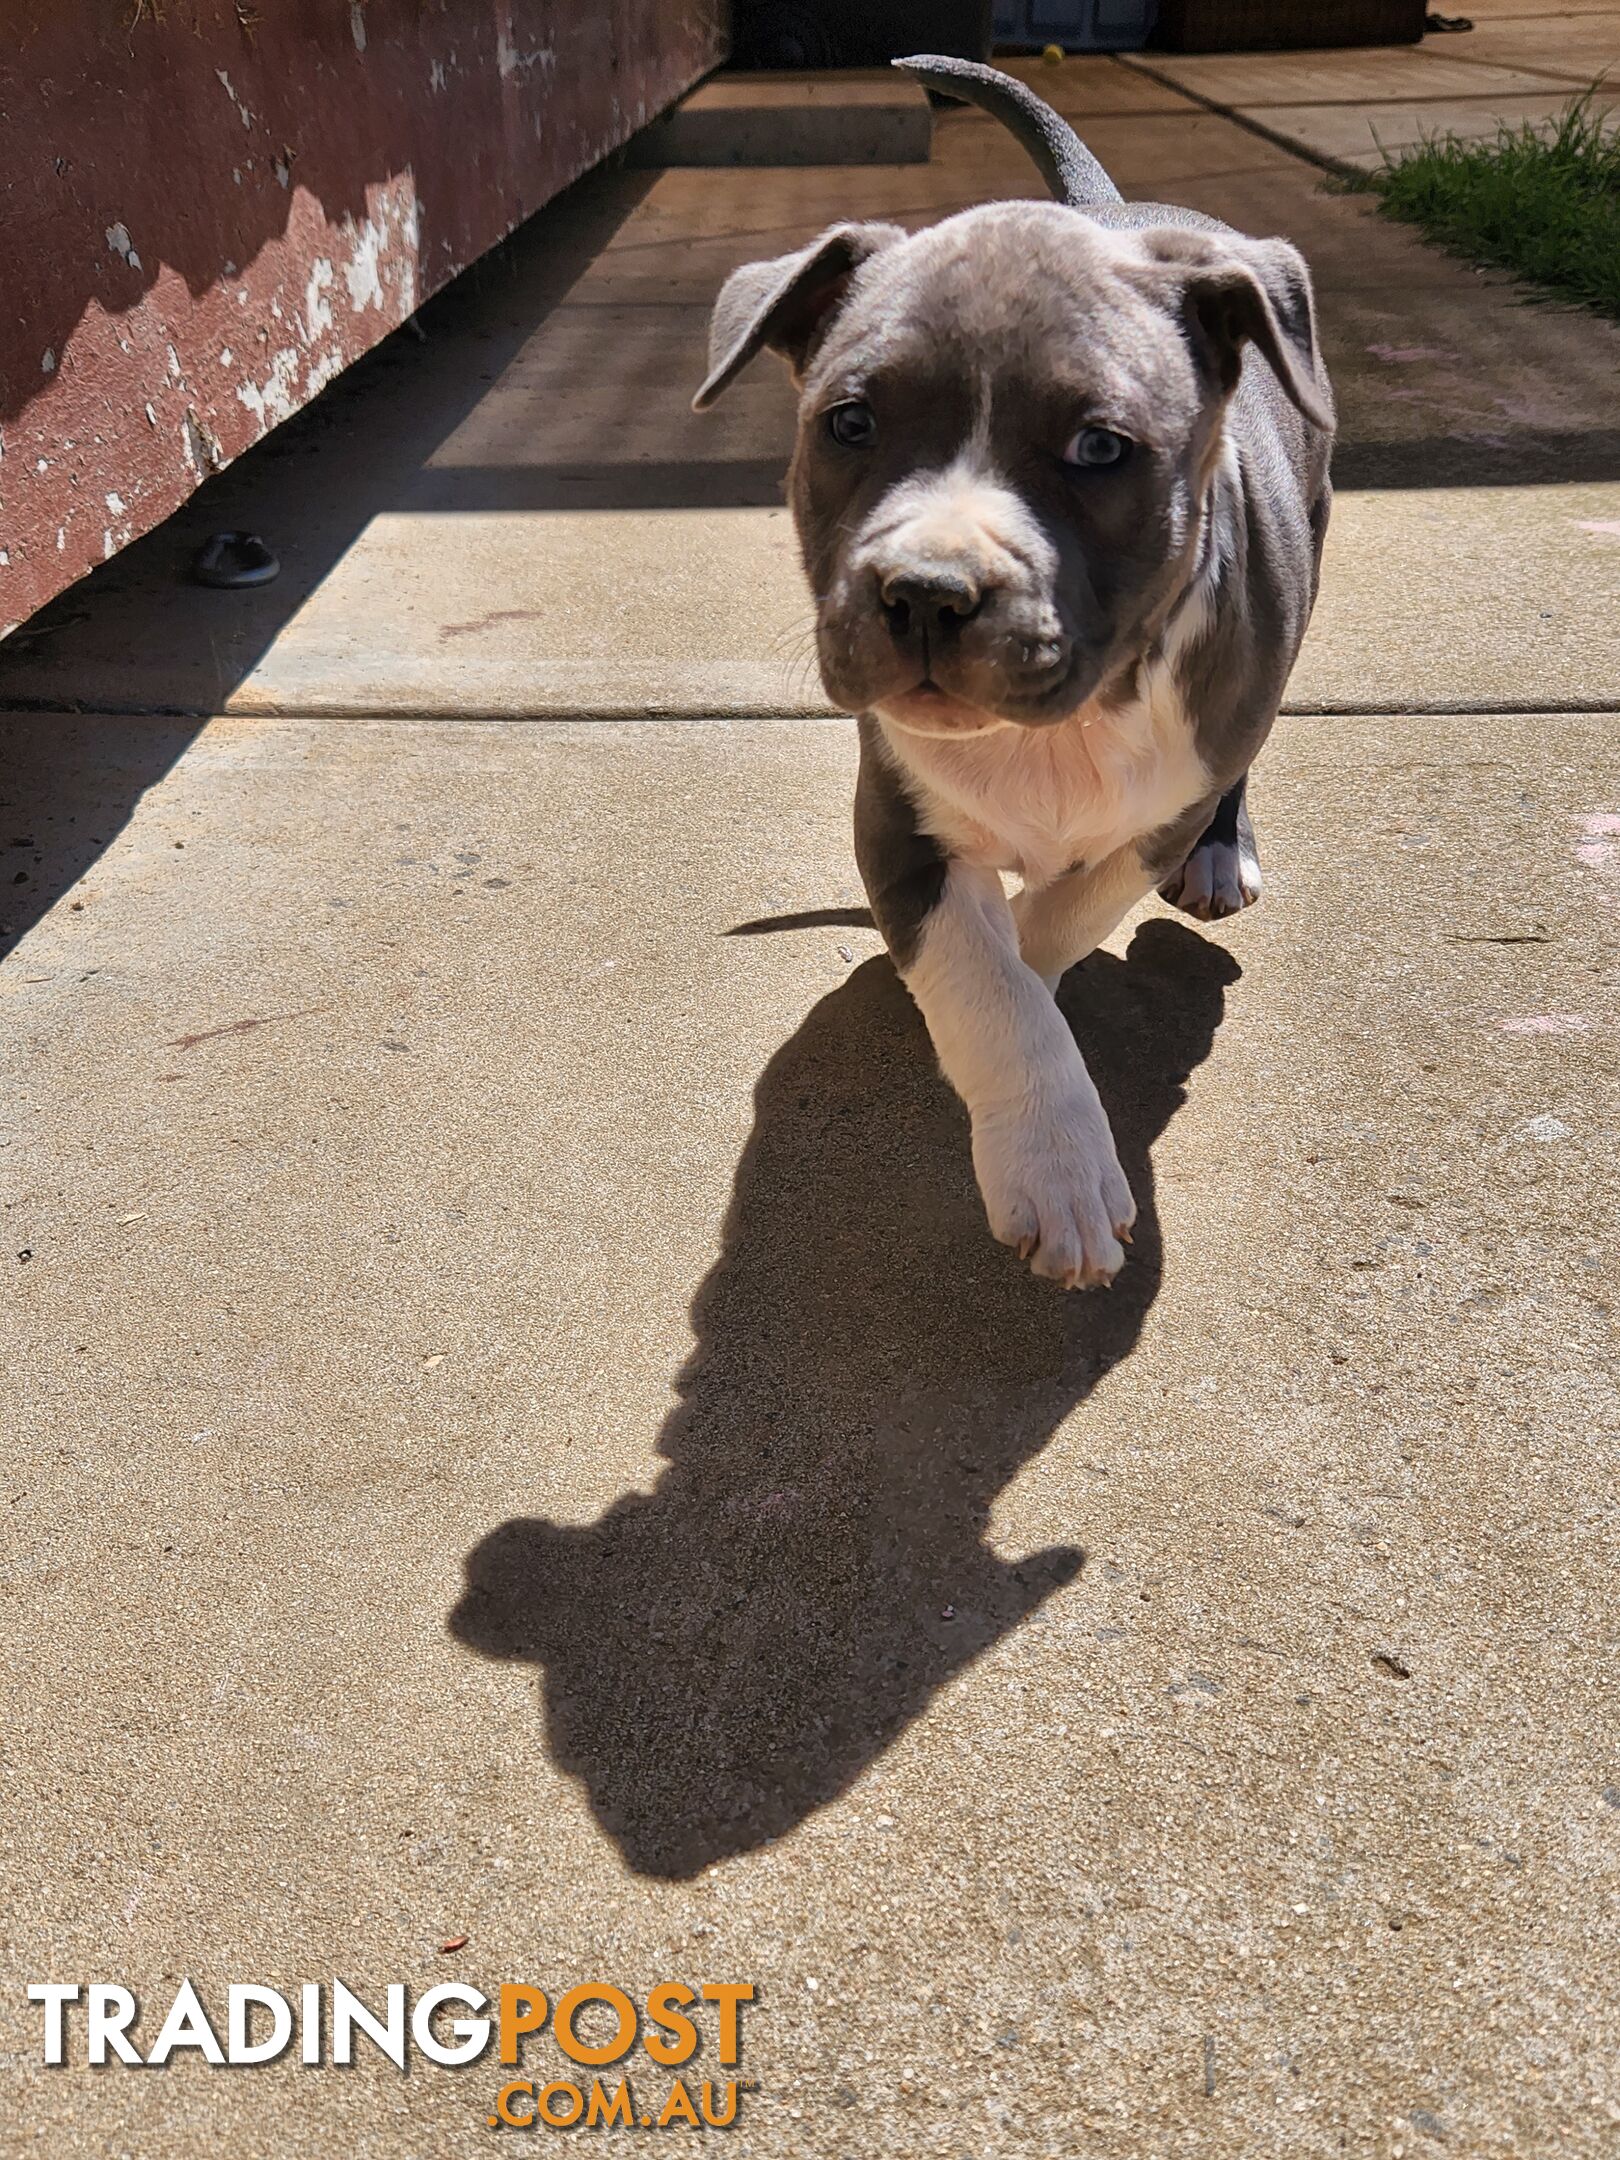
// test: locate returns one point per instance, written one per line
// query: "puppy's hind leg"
(1222, 874)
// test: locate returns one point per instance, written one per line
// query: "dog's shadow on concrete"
(727, 1653)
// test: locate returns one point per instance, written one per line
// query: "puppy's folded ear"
(1236, 292)
(786, 303)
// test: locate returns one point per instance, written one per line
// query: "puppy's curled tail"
(1066, 165)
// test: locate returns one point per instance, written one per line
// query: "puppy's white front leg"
(1042, 1150)
(1060, 923)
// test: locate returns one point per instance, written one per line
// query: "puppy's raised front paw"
(1053, 1188)
(1218, 878)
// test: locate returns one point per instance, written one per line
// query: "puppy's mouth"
(927, 709)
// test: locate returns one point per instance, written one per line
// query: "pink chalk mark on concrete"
(1408, 355)
(1528, 412)
(1609, 528)
(1547, 1024)
(1598, 849)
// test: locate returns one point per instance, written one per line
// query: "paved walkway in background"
(515, 1435)
(1523, 61)
(467, 529)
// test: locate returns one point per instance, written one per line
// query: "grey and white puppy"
(1061, 488)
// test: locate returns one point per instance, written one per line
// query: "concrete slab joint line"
(1245, 120)
(1342, 109)
(519, 518)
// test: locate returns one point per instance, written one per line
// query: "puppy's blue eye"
(1096, 446)
(853, 425)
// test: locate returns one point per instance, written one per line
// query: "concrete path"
(465, 523)
(521, 1461)
(1521, 63)
(518, 1432)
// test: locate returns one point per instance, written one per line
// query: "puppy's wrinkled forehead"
(1016, 311)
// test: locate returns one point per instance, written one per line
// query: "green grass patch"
(1544, 202)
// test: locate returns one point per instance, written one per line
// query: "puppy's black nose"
(922, 599)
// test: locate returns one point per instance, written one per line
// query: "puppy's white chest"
(1039, 801)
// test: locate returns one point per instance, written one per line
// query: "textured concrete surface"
(521, 1461)
(464, 527)
(853, 116)
(514, 1431)
(1521, 63)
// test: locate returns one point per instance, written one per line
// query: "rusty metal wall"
(208, 208)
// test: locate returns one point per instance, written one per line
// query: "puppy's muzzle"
(945, 611)
(953, 623)
(937, 599)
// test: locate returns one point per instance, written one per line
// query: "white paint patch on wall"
(383, 252)
(407, 214)
(362, 273)
(272, 400)
(317, 309)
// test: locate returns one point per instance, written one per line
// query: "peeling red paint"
(211, 208)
